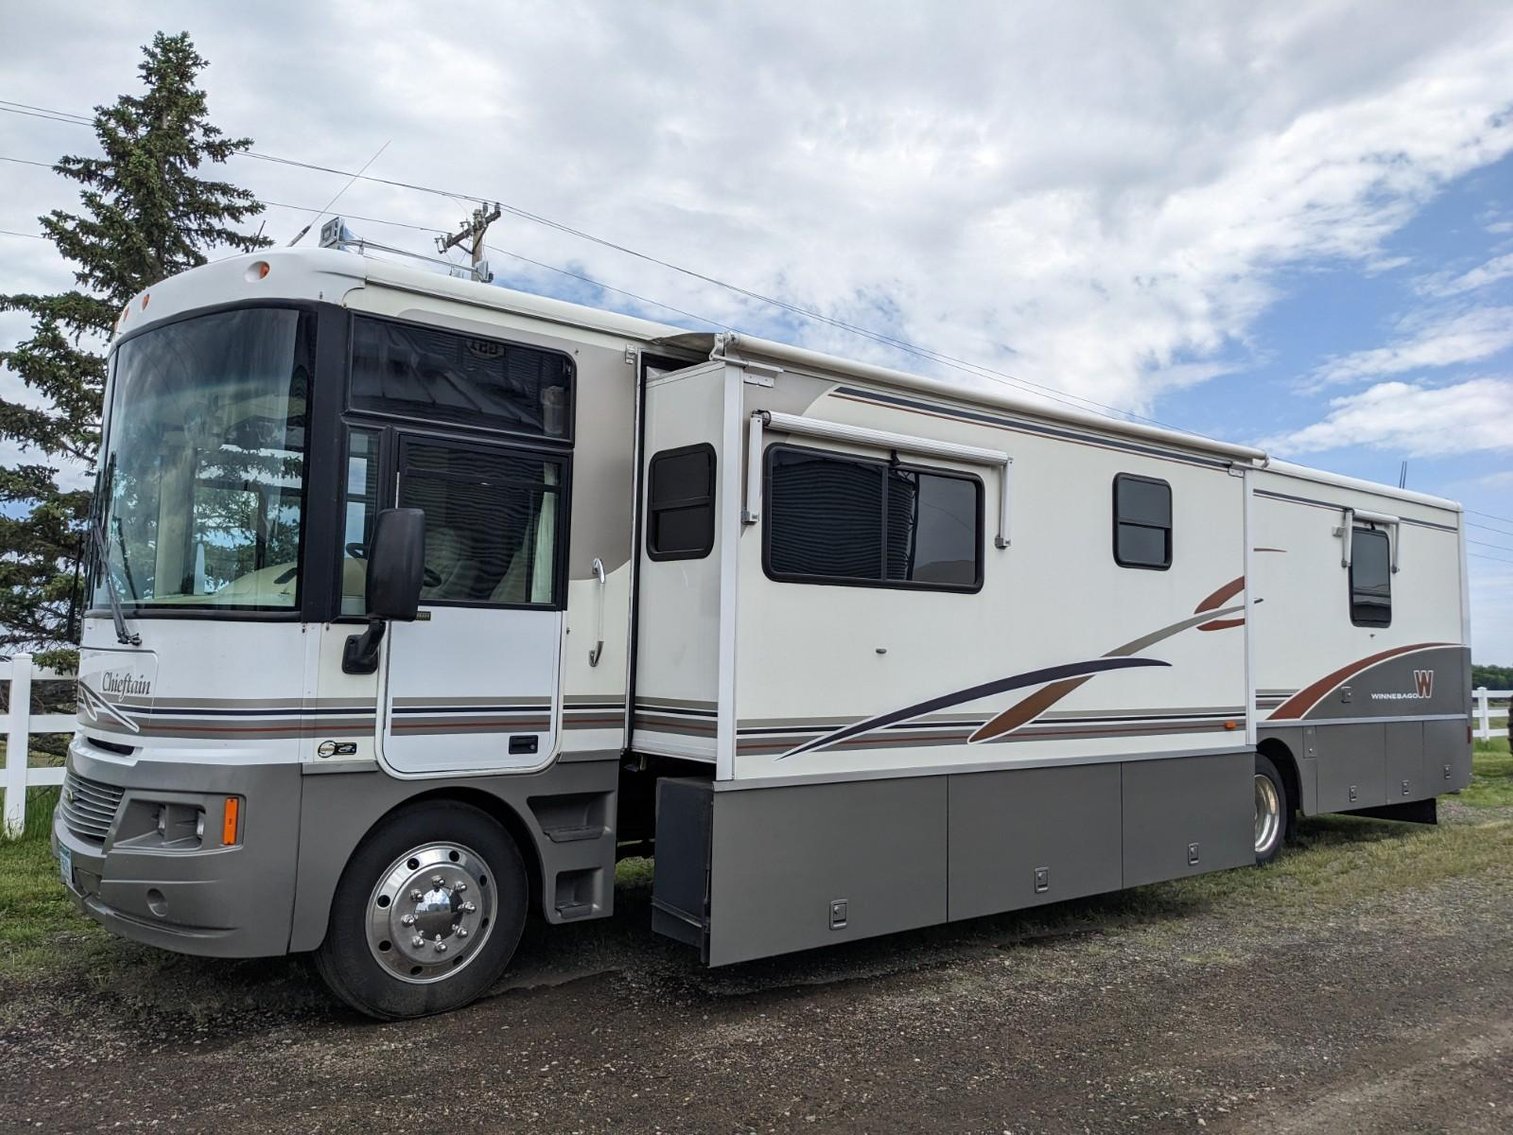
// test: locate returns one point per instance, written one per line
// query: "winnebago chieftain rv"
(416, 598)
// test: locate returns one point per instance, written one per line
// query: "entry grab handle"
(597, 652)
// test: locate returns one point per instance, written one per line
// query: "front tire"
(427, 914)
(1273, 810)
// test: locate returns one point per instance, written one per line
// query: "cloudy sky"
(1291, 226)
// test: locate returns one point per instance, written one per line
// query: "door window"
(492, 523)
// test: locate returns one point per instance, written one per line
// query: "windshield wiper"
(102, 549)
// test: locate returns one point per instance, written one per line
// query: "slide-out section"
(678, 607)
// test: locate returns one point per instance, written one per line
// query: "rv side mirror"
(396, 569)
(396, 564)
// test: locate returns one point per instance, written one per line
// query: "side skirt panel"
(752, 872)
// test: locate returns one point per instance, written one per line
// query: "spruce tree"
(144, 214)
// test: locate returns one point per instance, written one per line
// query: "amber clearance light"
(232, 816)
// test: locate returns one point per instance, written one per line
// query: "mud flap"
(680, 884)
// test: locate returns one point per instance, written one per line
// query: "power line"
(62, 115)
(1489, 516)
(45, 116)
(327, 206)
(1494, 559)
(27, 162)
(1484, 544)
(12, 232)
(354, 217)
(606, 287)
(1066, 398)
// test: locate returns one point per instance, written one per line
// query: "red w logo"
(1423, 681)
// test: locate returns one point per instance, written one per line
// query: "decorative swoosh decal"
(1033, 706)
(973, 693)
(1304, 700)
(95, 706)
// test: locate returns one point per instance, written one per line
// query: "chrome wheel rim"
(1268, 814)
(431, 912)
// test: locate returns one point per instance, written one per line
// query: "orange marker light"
(229, 824)
(146, 296)
(1231, 725)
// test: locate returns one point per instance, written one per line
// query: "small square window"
(1142, 522)
(680, 503)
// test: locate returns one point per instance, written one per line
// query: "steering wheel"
(430, 577)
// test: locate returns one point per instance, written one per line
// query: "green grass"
(38, 923)
(1491, 776)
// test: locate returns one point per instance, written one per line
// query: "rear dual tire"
(427, 915)
(1273, 818)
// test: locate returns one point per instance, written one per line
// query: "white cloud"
(1464, 337)
(1092, 197)
(1443, 284)
(1414, 421)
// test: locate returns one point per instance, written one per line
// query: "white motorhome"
(417, 600)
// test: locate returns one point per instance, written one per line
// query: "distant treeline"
(1493, 677)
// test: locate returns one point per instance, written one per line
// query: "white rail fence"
(20, 724)
(1486, 713)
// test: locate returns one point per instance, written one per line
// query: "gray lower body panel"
(1029, 836)
(233, 902)
(271, 894)
(763, 871)
(1353, 766)
(781, 859)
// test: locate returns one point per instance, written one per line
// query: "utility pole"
(473, 231)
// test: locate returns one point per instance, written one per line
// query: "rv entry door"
(472, 684)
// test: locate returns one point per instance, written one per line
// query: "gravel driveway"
(1228, 1005)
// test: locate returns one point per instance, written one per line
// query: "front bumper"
(218, 901)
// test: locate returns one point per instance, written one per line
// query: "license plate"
(66, 866)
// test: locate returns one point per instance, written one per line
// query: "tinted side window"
(1142, 522)
(680, 503)
(440, 375)
(1370, 578)
(852, 520)
(492, 521)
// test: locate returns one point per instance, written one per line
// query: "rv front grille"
(89, 807)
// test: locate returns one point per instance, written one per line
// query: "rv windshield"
(203, 471)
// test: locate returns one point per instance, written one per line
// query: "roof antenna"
(327, 207)
(1402, 476)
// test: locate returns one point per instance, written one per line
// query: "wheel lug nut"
(407, 920)
(441, 947)
(436, 880)
(462, 932)
(460, 887)
(418, 941)
(416, 896)
(468, 908)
